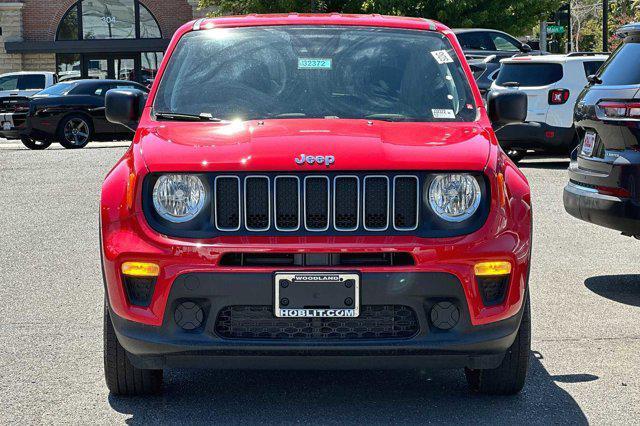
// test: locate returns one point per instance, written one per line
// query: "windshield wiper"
(203, 116)
(510, 84)
(388, 117)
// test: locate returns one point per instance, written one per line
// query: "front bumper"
(537, 136)
(169, 345)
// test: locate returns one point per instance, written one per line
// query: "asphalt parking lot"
(585, 288)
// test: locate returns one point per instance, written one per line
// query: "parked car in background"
(604, 174)
(485, 72)
(72, 113)
(552, 84)
(15, 90)
(478, 43)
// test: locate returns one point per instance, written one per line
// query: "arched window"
(108, 19)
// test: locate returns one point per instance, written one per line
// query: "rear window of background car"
(623, 67)
(530, 74)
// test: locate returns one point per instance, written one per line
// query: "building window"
(68, 66)
(108, 19)
(69, 28)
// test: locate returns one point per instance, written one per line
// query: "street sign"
(555, 29)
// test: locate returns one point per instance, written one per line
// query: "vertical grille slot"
(316, 203)
(346, 203)
(257, 204)
(287, 203)
(376, 203)
(405, 203)
(227, 203)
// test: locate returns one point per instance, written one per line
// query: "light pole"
(605, 25)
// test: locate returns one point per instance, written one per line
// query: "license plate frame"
(588, 144)
(316, 294)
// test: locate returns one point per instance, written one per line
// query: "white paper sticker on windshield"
(442, 56)
(443, 113)
(314, 64)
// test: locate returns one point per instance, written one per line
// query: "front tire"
(34, 144)
(509, 377)
(75, 131)
(122, 377)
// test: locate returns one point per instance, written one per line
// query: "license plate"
(588, 143)
(6, 125)
(317, 294)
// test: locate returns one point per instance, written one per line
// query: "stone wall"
(11, 24)
(39, 62)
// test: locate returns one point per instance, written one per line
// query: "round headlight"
(179, 198)
(454, 197)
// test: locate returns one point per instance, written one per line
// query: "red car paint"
(271, 145)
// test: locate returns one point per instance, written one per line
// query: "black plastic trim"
(430, 226)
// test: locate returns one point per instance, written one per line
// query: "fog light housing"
(493, 289)
(139, 290)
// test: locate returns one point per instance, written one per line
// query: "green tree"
(514, 16)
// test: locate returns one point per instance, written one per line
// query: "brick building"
(89, 38)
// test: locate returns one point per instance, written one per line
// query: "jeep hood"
(273, 145)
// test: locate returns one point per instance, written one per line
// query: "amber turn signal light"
(140, 269)
(488, 269)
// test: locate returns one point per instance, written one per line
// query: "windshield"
(57, 89)
(316, 72)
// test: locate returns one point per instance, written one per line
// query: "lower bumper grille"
(374, 322)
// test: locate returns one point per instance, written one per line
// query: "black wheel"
(121, 376)
(75, 131)
(509, 377)
(516, 154)
(33, 144)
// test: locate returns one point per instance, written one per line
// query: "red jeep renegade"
(315, 191)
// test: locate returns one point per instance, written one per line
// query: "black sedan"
(72, 113)
(478, 43)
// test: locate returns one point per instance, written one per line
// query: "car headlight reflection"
(454, 197)
(179, 197)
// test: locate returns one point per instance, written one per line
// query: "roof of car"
(27, 72)
(319, 19)
(475, 30)
(99, 81)
(629, 29)
(557, 58)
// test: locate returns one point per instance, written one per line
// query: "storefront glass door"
(118, 67)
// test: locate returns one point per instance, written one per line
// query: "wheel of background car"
(33, 144)
(75, 131)
(516, 154)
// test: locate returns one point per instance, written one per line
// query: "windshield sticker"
(442, 56)
(314, 64)
(443, 113)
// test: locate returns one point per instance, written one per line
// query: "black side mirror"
(594, 79)
(526, 48)
(506, 108)
(124, 106)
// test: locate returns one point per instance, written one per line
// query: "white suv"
(552, 84)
